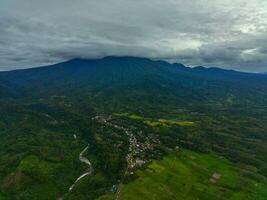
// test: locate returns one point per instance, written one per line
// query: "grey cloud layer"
(226, 33)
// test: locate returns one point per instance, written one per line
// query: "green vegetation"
(3, 196)
(155, 122)
(188, 175)
(32, 164)
(134, 114)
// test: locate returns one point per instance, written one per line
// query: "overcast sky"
(225, 33)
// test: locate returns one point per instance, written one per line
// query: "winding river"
(89, 171)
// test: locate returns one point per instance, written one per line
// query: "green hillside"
(149, 130)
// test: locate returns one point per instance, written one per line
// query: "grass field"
(156, 122)
(188, 175)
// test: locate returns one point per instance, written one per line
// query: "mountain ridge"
(109, 61)
(76, 60)
(89, 74)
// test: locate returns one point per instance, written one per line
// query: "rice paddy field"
(188, 175)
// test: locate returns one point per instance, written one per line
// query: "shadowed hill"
(93, 74)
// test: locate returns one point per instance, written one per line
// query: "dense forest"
(154, 130)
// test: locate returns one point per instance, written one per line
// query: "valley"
(132, 128)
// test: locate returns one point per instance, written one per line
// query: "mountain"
(115, 69)
(81, 76)
(190, 133)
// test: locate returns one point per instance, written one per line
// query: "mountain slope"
(135, 108)
(92, 74)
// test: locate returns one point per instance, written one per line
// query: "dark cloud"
(225, 33)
